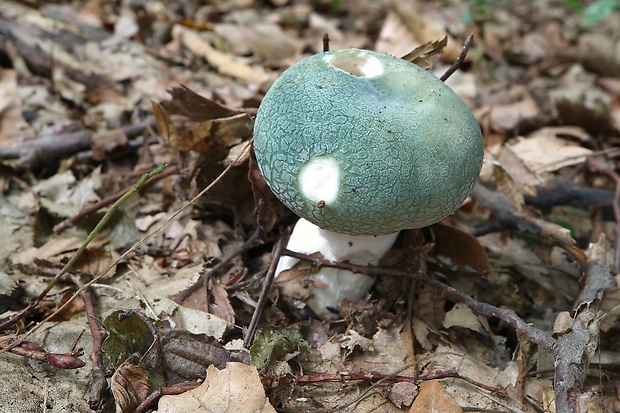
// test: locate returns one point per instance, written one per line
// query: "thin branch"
(136, 245)
(532, 333)
(459, 60)
(89, 209)
(7, 324)
(249, 337)
(98, 383)
(599, 167)
(249, 243)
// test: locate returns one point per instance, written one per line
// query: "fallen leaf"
(461, 316)
(546, 152)
(224, 63)
(461, 247)
(221, 306)
(403, 393)
(433, 398)
(236, 388)
(130, 387)
(427, 30)
(427, 54)
(509, 116)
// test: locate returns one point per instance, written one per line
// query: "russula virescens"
(361, 145)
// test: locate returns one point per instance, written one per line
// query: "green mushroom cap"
(359, 142)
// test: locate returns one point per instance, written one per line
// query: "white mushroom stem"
(331, 285)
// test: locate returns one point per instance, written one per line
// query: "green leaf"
(597, 11)
(271, 344)
(126, 337)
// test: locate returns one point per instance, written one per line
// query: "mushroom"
(361, 145)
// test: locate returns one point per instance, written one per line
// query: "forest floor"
(510, 305)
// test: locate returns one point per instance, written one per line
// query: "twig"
(156, 395)
(532, 333)
(82, 248)
(98, 383)
(136, 245)
(599, 167)
(249, 243)
(30, 154)
(509, 218)
(89, 209)
(34, 351)
(459, 60)
(262, 300)
(374, 377)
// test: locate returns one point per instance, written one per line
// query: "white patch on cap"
(357, 63)
(319, 180)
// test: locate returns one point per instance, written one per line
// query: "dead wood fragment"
(459, 60)
(278, 251)
(98, 384)
(534, 334)
(599, 167)
(44, 150)
(508, 218)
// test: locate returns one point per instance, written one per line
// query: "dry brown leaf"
(546, 152)
(461, 247)
(237, 388)
(183, 101)
(296, 282)
(430, 306)
(563, 324)
(508, 117)
(427, 54)
(103, 142)
(462, 316)
(129, 386)
(395, 37)
(264, 200)
(224, 63)
(264, 39)
(220, 132)
(49, 250)
(421, 330)
(94, 260)
(507, 186)
(403, 393)
(426, 30)
(221, 306)
(433, 398)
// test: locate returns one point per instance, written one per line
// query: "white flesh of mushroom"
(331, 285)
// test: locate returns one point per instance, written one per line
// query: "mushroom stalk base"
(331, 285)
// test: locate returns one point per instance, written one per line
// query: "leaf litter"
(538, 236)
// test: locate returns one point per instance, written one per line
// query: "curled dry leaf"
(507, 186)
(403, 393)
(130, 387)
(237, 388)
(217, 125)
(426, 30)
(461, 247)
(434, 398)
(546, 151)
(427, 54)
